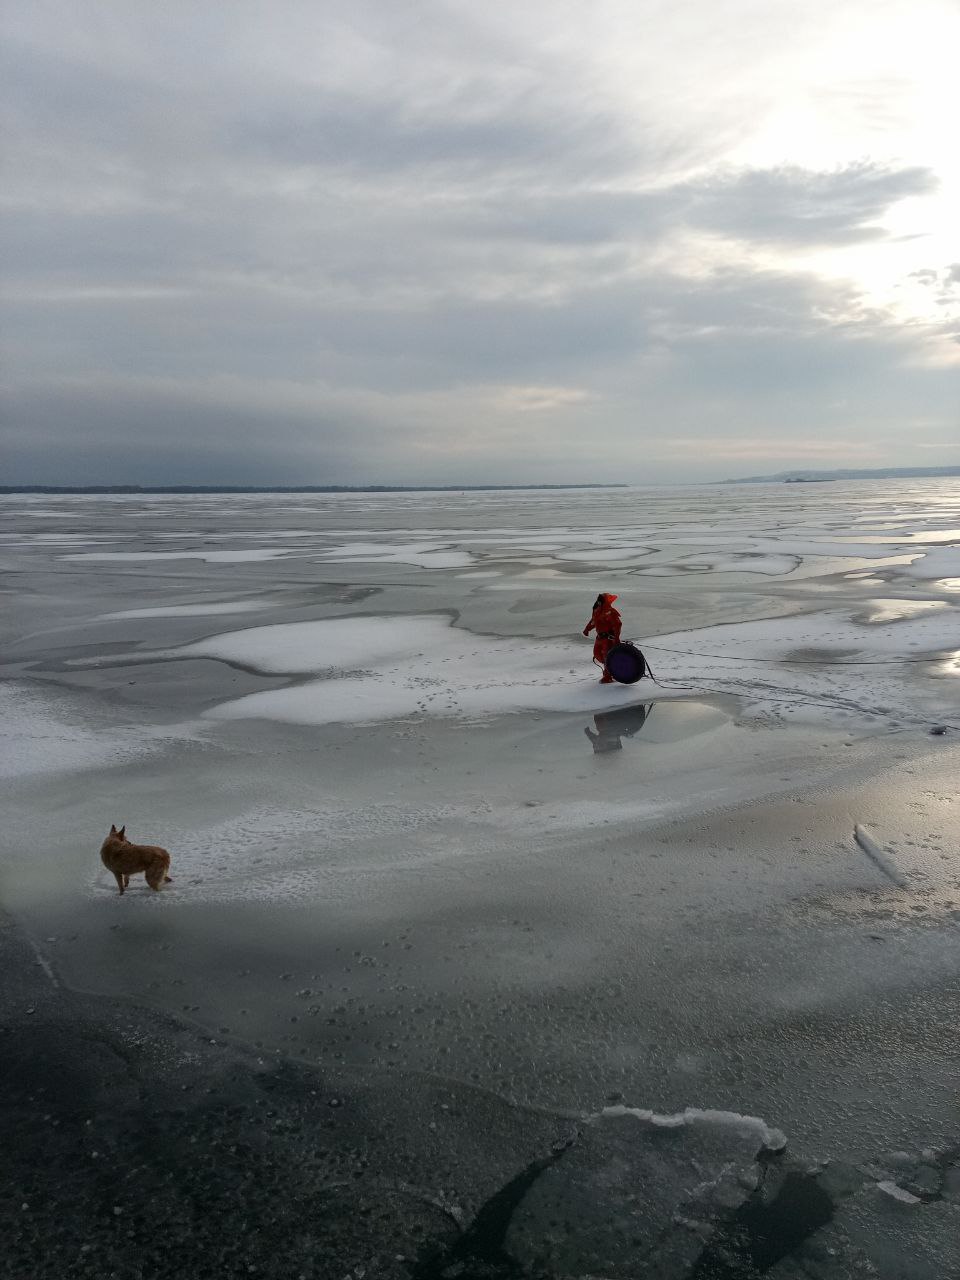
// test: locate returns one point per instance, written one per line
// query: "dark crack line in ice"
(761, 1233)
(483, 1240)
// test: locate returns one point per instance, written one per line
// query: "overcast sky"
(443, 241)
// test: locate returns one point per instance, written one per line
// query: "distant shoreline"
(880, 473)
(299, 488)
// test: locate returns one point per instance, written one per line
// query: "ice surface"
(828, 631)
(47, 733)
(820, 658)
(399, 855)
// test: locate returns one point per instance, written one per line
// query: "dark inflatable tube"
(626, 663)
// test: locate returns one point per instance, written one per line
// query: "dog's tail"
(157, 873)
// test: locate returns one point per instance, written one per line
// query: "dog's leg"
(120, 885)
(126, 882)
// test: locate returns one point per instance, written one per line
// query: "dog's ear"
(122, 833)
(113, 829)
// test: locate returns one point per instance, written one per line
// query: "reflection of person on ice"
(606, 621)
(612, 726)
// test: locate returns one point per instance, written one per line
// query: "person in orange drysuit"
(606, 621)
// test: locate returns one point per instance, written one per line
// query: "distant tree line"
(299, 488)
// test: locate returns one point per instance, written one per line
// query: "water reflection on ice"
(611, 727)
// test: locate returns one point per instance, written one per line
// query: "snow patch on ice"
(605, 555)
(771, 1139)
(425, 555)
(54, 540)
(188, 610)
(897, 1193)
(886, 610)
(381, 668)
(343, 644)
(939, 562)
(211, 557)
(265, 534)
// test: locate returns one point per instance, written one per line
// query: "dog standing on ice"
(126, 859)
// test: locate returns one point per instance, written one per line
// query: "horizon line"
(300, 488)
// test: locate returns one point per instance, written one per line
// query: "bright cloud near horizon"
(285, 241)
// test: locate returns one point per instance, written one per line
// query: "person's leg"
(601, 649)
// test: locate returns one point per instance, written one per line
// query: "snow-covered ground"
(410, 831)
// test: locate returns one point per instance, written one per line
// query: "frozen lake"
(414, 840)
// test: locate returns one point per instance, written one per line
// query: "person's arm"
(589, 627)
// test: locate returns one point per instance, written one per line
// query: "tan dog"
(125, 859)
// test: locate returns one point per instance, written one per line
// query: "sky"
(446, 242)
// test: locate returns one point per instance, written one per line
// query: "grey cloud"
(454, 218)
(336, 129)
(795, 205)
(382, 297)
(709, 388)
(755, 327)
(460, 104)
(788, 206)
(155, 434)
(585, 333)
(488, 129)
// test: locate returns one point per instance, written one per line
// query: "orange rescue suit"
(607, 623)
